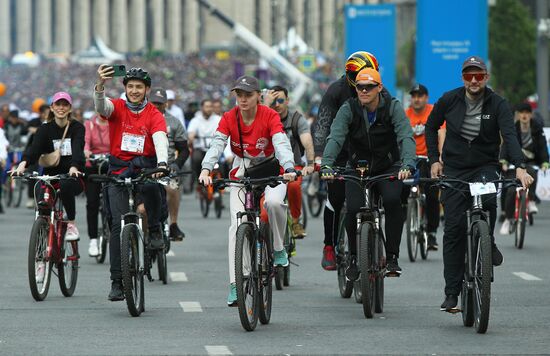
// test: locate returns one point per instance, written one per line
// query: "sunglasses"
(469, 76)
(365, 87)
(278, 101)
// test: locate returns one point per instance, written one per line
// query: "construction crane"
(299, 80)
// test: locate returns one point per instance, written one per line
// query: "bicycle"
(417, 223)
(210, 194)
(478, 269)
(134, 256)
(47, 245)
(522, 215)
(316, 194)
(13, 188)
(369, 289)
(254, 270)
(102, 162)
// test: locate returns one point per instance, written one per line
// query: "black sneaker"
(497, 256)
(156, 242)
(392, 267)
(450, 304)
(352, 272)
(432, 242)
(175, 233)
(116, 293)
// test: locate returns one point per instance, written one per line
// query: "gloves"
(326, 172)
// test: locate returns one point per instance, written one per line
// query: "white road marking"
(178, 277)
(527, 276)
(170, 253)
(191, 307)
(218, 350)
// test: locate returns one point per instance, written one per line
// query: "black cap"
(524, 107)
(419, 89)
(158, 95)
(246, 83)
(474, 61)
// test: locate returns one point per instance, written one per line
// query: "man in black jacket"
(476, 119)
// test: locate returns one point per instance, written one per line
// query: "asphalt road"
(190, 316)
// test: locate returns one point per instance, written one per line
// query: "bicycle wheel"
(246, 276)
(467, 305)
(280, 270)
(522, 220)
(483, 268)
(342, 262)
(103, 239)
(412, 229)
(266, 276)
(18, 193)
(303, 215)
(366, 264)
(204, 203)
(132, 275)
(162, 266)
(218, 205)
(67, 269)
(380, 274)
(39, 267)
(315, 204)
(9, 191)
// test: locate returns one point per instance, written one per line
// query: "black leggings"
(336, 191)
(68, 190)
(93, 190)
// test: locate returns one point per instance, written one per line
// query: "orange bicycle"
(210, 194)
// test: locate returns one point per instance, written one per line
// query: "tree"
(512, 41)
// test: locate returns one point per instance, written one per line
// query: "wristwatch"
(522, 165)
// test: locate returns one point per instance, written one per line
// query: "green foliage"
(406, 63)
(512, 42)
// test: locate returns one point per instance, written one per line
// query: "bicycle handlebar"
(142, 177)
(45, 178)
(445, 182)
(220, 183)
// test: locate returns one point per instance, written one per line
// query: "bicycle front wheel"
(246, 275)
(380, 274)
(132, 275)
(366, 266)
(67, 269)
(342, 261)
(103, 239)
(483, 270)
(522, 220)
(39, 267)
(412, 229)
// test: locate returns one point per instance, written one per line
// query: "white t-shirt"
(203, 129)
(177, 112)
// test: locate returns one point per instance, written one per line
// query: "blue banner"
(371, 28)
(448, 32)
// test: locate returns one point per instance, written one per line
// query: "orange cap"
(368, 75)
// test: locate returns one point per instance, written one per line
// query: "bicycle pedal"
(455, 310)
(393, 274)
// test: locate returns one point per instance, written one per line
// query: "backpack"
(295, 136)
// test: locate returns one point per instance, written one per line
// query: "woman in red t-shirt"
(262, 137)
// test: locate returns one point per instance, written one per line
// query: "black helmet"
(139, 74)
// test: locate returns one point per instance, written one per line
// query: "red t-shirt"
(256, 137)
(131, 134)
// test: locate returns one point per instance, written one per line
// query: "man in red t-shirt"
(137, 132)
(418, 114)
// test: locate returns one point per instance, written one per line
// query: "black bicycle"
(417, 223)
(254, 270)
(478, 271)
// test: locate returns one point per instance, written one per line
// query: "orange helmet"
(357, 61)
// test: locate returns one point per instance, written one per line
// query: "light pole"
(543, 34)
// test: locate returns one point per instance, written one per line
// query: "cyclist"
(260, 132)
(201, 130)
(16, 132)
(137, 133)
(298, 132)
(418, 114)
(47, 139)
(336, 95)
(97, 142)
(476, 118)
(172, 108)
(376, 128)
(177, 143)
(32, 127)
(535, 152)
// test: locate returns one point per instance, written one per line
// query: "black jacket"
(496, 121)
(540, 148)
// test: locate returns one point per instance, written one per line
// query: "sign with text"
(447, 33)
(371, 28)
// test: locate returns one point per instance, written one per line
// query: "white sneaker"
(505, 227)
(532, 207)
(72, 233)
(40, 272)
(93, 250)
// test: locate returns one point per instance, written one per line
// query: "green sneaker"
(280, 258)
(232, 297)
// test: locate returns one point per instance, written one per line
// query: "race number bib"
(132, 143)
(482, 189)
(65, 148)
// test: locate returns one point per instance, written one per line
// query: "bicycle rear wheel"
(162, 266)
(103, 239)
(132, 275)
(366, 264)
(380, 274)
(522, 220)
(39, 267)
(412, 229)
(67, 270)
(483, 269)
(246, 274)
(266, 275)
(342, 261)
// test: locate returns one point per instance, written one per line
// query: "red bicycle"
(47, 245)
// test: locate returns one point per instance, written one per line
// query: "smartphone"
(120, 70)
